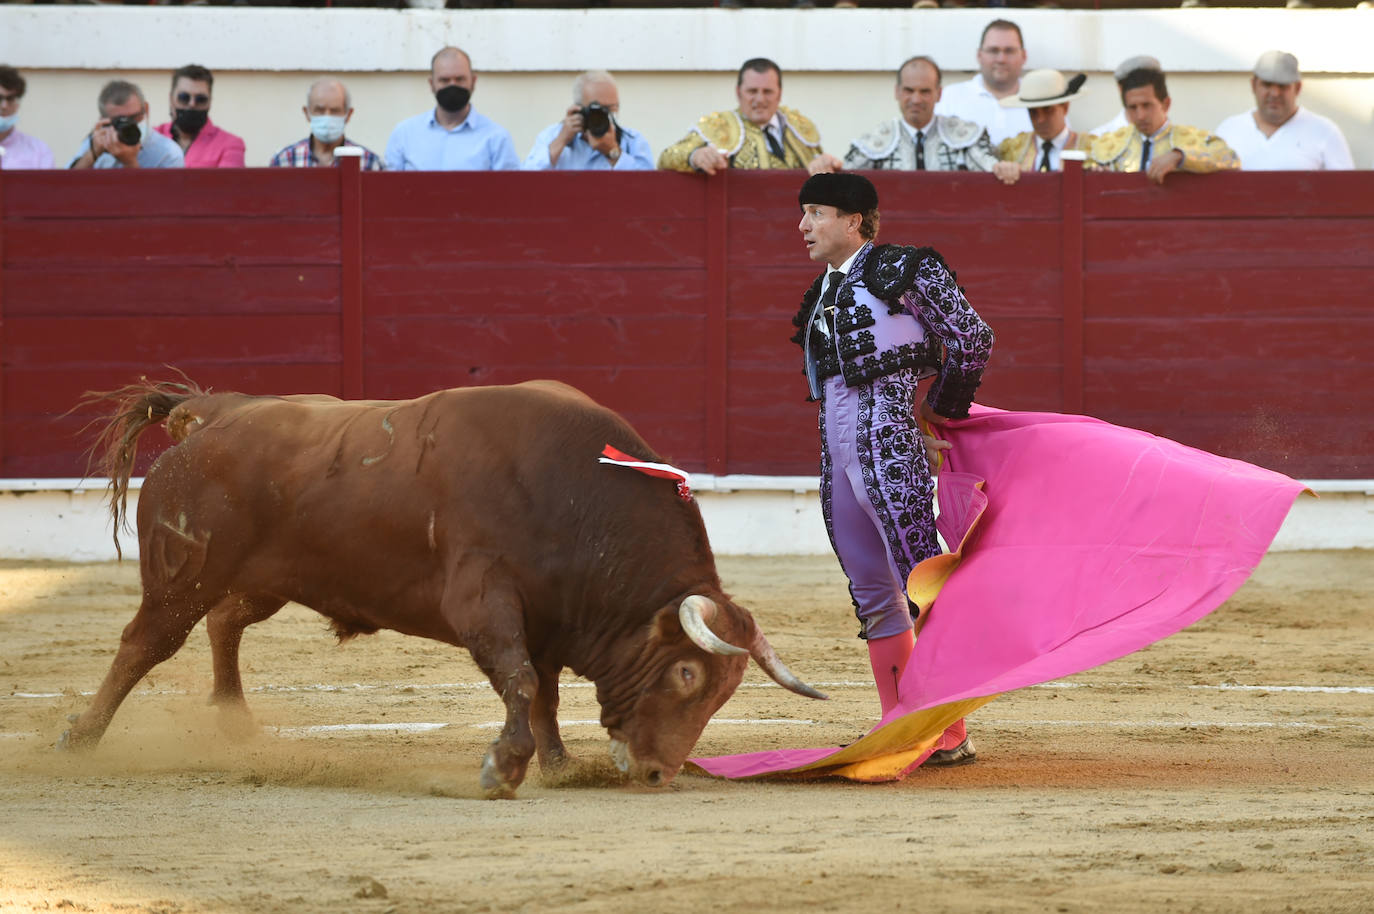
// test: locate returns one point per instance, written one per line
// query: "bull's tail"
(112, 453)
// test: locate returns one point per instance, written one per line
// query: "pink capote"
(1075, 543)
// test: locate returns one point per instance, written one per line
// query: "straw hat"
(1044, 87)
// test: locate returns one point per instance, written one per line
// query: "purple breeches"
(876, 495)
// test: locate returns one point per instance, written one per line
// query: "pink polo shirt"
(212, 147)
(24, 151)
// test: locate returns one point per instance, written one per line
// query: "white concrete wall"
(673, 65)
(745, 515)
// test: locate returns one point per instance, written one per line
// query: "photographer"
(588, 137)
(121, 138)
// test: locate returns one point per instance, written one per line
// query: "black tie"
(773, 143)
(920, 151)
(828, 301)
(1145, 155)
(1045, 159)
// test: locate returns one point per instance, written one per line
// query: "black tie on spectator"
(828, 301)
(773, 143)
(1145, 155)
(1045, 157)
(920, 151)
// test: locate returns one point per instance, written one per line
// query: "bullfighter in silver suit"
(880, 320)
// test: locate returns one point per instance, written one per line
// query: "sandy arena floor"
(1229, 768)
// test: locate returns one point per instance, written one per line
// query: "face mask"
(327, 127)
(190, 120)
(7, 123)
(453, 98)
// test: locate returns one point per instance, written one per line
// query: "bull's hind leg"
(225, 625)
(157, 631)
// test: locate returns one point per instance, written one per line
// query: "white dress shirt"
(972, 101)
(1305, 142)
(1056, 148)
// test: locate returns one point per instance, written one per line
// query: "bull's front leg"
(486, 610)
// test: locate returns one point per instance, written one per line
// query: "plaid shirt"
(301, 155)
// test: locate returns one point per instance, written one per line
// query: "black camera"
(126, 129)
(596, 118)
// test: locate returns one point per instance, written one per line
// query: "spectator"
(202, 143)
(121, 138)
(590, 137)
(1277, 135)
(19, 149)
(1001, 56)
(921, 140)
(453, 136)
(1139, 62)
(1152, 143)
(328, 107)
(1046, 95)
(761, 133)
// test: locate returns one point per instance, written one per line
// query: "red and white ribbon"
(662, 470)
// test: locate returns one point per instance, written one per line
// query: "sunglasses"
(186, 98)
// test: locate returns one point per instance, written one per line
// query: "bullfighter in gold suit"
(1047, 94)
(761, 133)
(1152, 143)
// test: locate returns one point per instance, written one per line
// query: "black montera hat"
(850, 193)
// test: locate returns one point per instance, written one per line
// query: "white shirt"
(1056, 147)
(1306, 142)
(1115, 123)
(973, 102)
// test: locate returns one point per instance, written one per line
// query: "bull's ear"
(665, 626)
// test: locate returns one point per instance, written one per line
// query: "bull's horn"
(766, 657)
(693, 614)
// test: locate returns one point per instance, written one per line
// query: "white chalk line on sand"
(836, 684)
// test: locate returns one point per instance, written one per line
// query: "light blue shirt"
(421, 143)
(157, 151)
(635, 154)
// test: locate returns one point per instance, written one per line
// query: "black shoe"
(961, 754)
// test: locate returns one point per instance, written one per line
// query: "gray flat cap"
(1277, 67)
(1138, 62)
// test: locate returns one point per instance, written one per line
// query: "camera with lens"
(126, 129)
(596, 118)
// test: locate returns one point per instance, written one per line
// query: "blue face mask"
(7, 123)
(327, 128)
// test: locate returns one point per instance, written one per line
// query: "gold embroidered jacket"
(744, 143)
(1024, 148)
(1203, 152)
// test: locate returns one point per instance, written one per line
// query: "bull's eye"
(686, 677)
(688, 674)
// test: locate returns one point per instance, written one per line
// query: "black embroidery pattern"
(859, 317)
(939, 302)
(808, 303)
(923, 357)
(855, 345)
(896, 476)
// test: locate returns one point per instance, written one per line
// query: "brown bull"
(479, 517)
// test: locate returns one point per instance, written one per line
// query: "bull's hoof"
(66, 743)
(494, 786)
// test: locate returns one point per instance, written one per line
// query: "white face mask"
(327, 127)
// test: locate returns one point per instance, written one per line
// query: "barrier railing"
(1231, 312)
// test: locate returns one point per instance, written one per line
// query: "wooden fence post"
(1071, 277)
(717, 310)
(351, 271)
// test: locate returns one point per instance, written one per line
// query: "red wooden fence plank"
(1269, 195)
(568, 200)
(1226, 244)
(189, 195)
(154, 341)
(460, 288)
(350, 231)
(88, 243)
(171, 289)
(1071, 272)
(1255, 291)
(716, 364)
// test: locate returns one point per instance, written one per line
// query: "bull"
(479, 517)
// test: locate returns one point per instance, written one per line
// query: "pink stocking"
(888, 657)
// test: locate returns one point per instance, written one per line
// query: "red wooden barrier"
(1231, 312)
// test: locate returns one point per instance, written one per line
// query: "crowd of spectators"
(1002, 122)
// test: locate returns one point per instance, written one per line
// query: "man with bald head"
(920, 139)
(328, 107)
(453, 136)
(590, 137)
